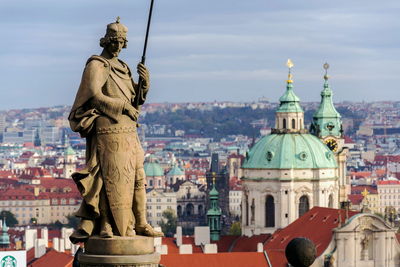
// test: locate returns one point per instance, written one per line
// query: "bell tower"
(327, 126)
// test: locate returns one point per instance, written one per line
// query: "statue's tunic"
(113, 152)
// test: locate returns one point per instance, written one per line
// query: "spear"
(140, 83)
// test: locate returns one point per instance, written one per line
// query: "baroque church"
(293, 169)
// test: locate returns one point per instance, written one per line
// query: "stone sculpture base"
(135, 251)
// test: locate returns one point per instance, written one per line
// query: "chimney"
(40, 247)
(260, 247)
(179, 236)
(36, 191)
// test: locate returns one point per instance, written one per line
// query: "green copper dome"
(289, 151)
(175, 171)
(152, 168)
(290, 102)
(69, 151)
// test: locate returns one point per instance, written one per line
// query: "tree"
(236, 229)
(33, 221)
(10, 218)
(168, 222)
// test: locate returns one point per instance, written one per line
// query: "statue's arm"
(141, 91)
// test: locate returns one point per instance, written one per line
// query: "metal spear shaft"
(144, 53)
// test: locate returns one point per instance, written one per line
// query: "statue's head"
(115, 37)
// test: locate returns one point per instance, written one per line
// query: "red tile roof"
(355, 199)
(388, 182)
(317, 225)
(249, 244)
(360, 188)
(225, 243)
(53, 258)
(239, 259)
(30, 255)
(172, 247)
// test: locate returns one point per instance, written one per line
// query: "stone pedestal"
(135, 251)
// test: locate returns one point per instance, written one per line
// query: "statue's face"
(115, 47)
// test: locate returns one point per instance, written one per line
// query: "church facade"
(291, 170)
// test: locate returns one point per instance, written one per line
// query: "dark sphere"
(300, 252)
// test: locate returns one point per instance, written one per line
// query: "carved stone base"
(119, 251)
(148, 260)
(118, 245)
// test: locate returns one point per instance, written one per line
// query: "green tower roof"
(175, 171)
(290, 102)
(69, 151)
(289, 151)
(4, 237)
(152, 168)
(326, 120)
(214, 208)
(326, 109)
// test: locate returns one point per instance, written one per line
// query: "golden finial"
(326, 67)
(117, 20)
(290, 65)
(213, 177)
(365, 192)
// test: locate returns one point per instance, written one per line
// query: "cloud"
(226, 49)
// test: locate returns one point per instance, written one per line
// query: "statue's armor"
(115, 156)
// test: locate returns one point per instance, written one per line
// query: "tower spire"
(289, 115)
(214, 212)
(326, 120)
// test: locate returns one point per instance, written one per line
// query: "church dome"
(289, 151)
(152, 168)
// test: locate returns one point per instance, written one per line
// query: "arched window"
(151, 182)
(253, 212)
(179, 210)
(189, 209)
(330, 202)
(284, 123)
(200, 208)
(293, 124)
(269, 211)
(304, 205)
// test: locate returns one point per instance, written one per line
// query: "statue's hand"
(132, 112)
(144, 75)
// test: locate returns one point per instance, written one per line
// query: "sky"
(208, 50)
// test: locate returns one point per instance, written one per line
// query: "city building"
(154, 173)
(158, 201)
(389, 194)
(287, 172)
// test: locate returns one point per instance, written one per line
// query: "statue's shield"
(117, 160)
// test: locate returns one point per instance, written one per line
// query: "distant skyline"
(205, 50)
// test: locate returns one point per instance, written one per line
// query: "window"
(269, 211)
(158, 199)
(330, 202)
(179, 210)
(284, 124)
(304, 205)
(158, 207)
(293, 124)
(169, 200)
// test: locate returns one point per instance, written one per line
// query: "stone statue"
(105, 112)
